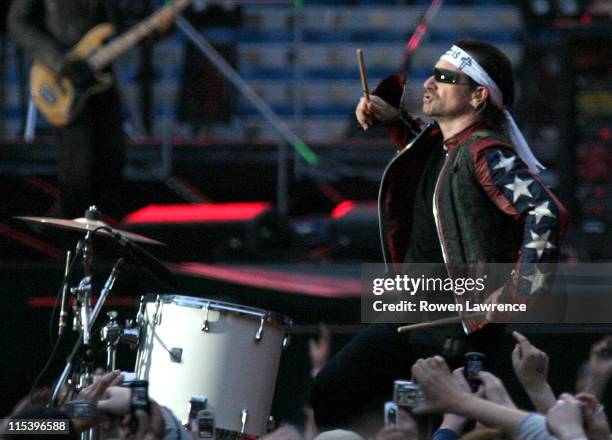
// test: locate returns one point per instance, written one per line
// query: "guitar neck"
(106, 54)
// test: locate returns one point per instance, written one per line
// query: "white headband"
(468, 65)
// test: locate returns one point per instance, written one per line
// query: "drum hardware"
(111, 335)
(213, 364)
(88, 322)
(84, 316)
(244, 415)
(61, 325)
(205, 323)
(140, 316)
(259, 333)
(157, 315)
(83, 306)
(83, 291)
(176, 354)
(90, 223)
(130, 335)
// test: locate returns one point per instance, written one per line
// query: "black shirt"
(424, 242)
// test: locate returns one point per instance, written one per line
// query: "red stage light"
(193, 213)
(342, 209)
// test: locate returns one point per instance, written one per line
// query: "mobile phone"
(391, 413)
(85, 409)
(474, 364)
(206, 424)
(196, 404)
(407, 394)
(139, 400)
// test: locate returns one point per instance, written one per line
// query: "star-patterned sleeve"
(519, 193)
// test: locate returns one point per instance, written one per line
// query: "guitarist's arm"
(25, 24)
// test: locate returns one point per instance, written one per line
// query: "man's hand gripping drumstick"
(371, 110)
(439, 322)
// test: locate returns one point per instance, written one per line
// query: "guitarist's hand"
(80, 73)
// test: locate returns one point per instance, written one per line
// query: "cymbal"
(85, 224)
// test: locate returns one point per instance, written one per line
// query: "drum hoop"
(195, 302)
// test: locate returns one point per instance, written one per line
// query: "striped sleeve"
(519, 193)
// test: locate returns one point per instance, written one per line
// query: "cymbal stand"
(83, 290)
(91, 319)
(111, 333)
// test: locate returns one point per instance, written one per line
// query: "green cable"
(307, 154)
(302, 149)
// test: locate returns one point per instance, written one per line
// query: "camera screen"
(139, 397)
(473, 368)
(82, 410)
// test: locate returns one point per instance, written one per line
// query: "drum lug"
(130, 335)
(259, 333)
(286, 342)
(140, 316)
(156, 316)
(244, 415)
(205, 327)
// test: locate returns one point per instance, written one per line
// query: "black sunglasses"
(450, 77)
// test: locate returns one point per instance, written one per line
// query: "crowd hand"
(310, 426)
(285, 432)
(94, 393)
(319, 350)
(443, 393)
(406, 428)
(149, 427)
(564, 419)
(375, 111)
(599, 367)
(493, 390)
(452, 421)
(595, 420)
(531, 368)
(530, 364)
(116, 401)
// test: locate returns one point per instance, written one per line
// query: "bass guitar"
(56, 95)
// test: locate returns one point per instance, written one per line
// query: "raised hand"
(564, 419)
(494, 390)
(595, 420)
(375, 111)
(599, 367)
(531, 368)
(443, 393)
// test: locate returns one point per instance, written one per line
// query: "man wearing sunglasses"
(463, 189)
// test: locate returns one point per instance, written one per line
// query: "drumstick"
(362, 74)
(438, 322)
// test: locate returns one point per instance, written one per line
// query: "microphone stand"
(85, 330)
(63, 313)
